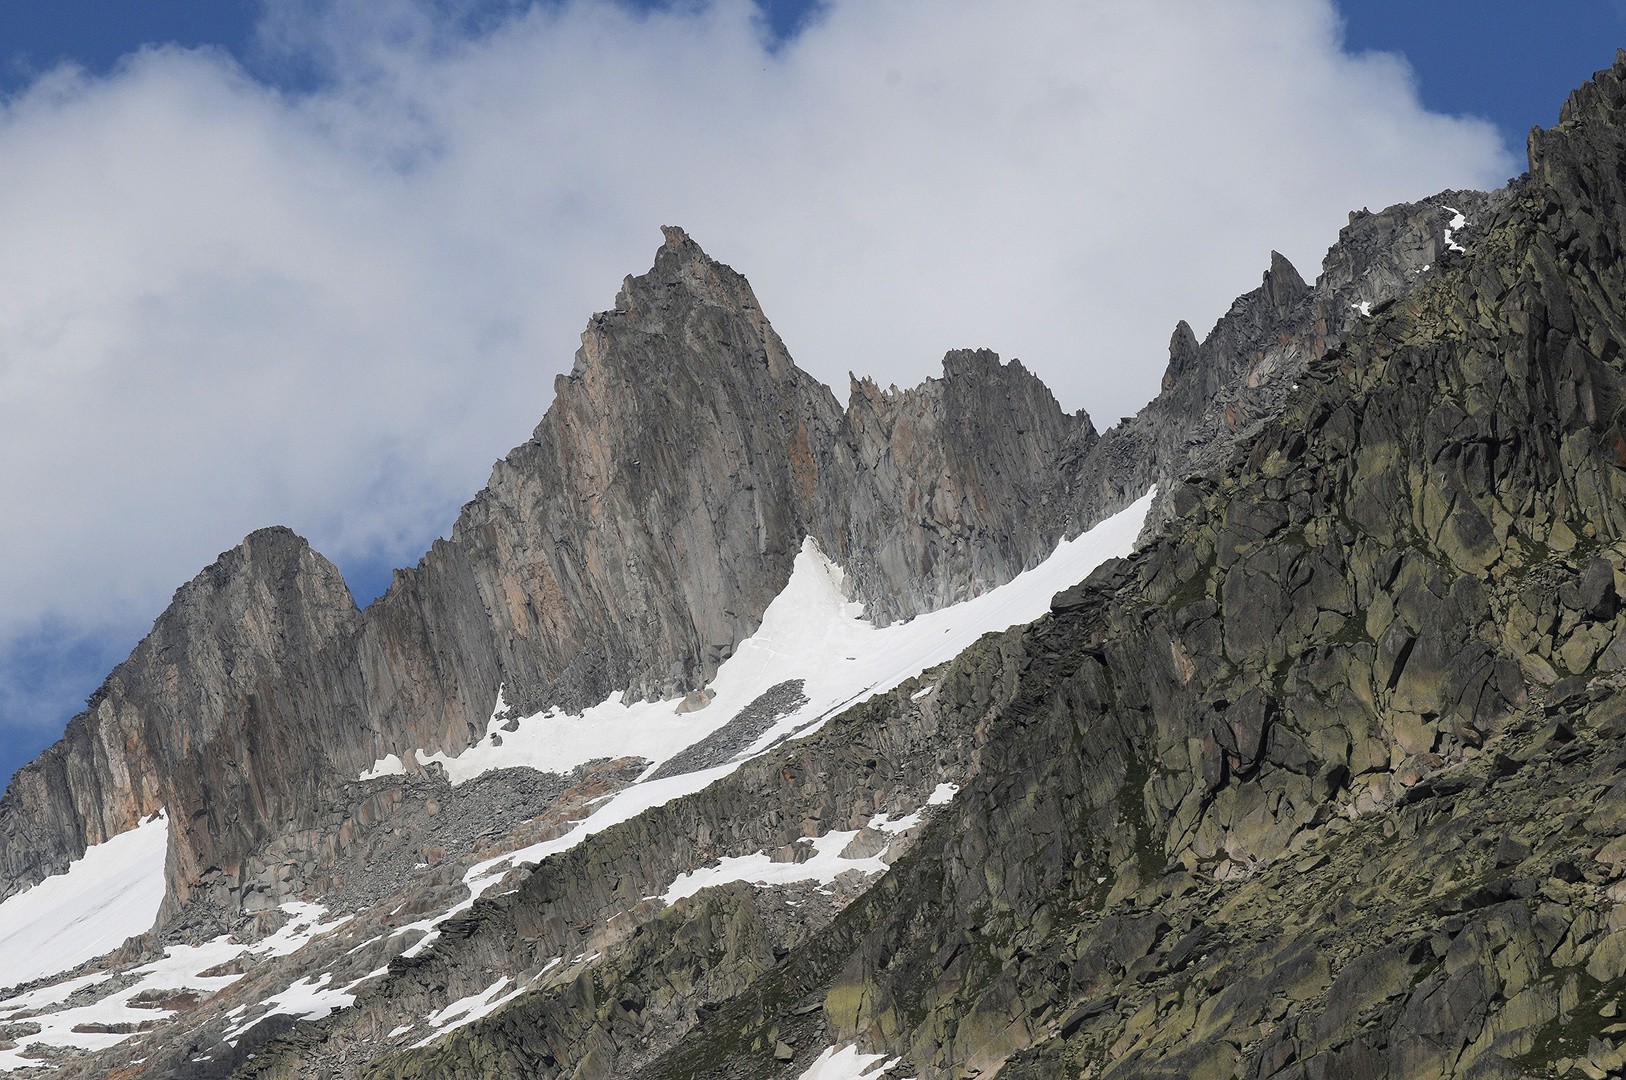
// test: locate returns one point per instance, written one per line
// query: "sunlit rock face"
(1218, 393)
(1322, 777)
(1323, 780)
(629, 546)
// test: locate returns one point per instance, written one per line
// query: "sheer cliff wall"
(629, 545)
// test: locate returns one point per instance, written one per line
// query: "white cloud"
(224, 305)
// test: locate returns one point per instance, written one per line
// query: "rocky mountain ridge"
(1325, 780)
(926, 495)
(581, 569)
(635, 542)
(1219, 392)
(630, 545)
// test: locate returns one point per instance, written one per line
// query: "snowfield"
(180, 969)
(809, 632)
(111, 894)
(848, 1064)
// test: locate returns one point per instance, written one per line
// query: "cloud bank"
(224, 305)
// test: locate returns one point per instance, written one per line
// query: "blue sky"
(1506, 60)
(324, 274)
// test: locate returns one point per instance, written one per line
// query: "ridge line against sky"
(332, 298)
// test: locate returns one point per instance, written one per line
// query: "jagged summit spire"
(682, 284)
(1182, 353)
(676, 237)
(1283, 283)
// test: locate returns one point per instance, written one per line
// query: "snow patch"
(758, 869)
(467, 1004)
(179, 969)
(1458, 222)
(883, 823)
(847, 1064)
(109, 895)
(810, 631)
(1364, 307)
(943, 794)
(304, 923)
(430, 933)
(350, 988)
(467, 1010)
(388, 765)
(308, 999)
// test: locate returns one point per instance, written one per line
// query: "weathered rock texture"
(1221, 391)
(1325, 781)
(245, 681)
(629, 545)
(638, 536)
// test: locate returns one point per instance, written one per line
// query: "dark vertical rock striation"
(954, 484)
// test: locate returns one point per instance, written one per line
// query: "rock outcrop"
(638, 536)
(246, 680)
(1219, 392)
(1324, 781)
(629, 545)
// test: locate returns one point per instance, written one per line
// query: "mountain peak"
(1283, 283)
(1182, 353)
(683, 287)
(676, 238)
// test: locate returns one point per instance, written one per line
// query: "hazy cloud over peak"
(224, 305)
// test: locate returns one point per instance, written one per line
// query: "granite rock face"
(1324, 781)
(629, 545)
(245, 681)
(656, 510)
(1220, 391)
(955, 483)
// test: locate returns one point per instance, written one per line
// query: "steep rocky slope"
(1326, 780)
(630, 545)
(1201, 805)
(635, 540)
(1220, 391)
(244, 682)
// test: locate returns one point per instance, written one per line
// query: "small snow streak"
(1457, 224)
(758, 869)
(469, 1009)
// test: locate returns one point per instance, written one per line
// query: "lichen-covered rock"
(1273, 797)
(1218, 393)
